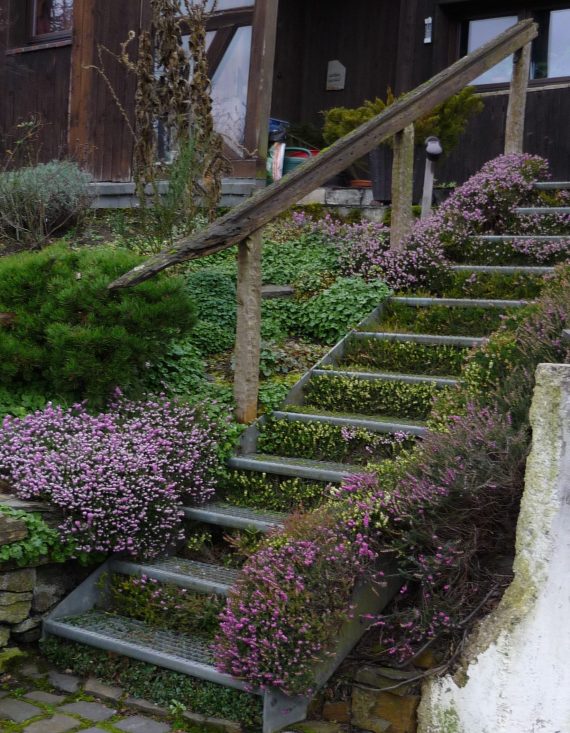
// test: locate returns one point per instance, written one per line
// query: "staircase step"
(551, 185)
(189, 655)
(226, 515)
(388, 377)
(353, 421)
(523, 237)
(198, 576)
(297, 467)
(458, 302)
(542, 210)
(504, 269)
(421, 338)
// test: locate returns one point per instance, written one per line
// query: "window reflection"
(230, 86)
(223, 4)
(482, 31)
(52, 16)
(559, 43)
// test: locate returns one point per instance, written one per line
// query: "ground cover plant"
(118, 477)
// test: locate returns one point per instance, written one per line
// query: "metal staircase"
(82, 616)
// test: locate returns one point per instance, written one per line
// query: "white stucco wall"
(517, 676)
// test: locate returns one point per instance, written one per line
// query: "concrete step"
(197, 576)
(387, 377)
(364, 422)
(458, 302)
(422, 338)
(296, 467)
(226, 515)
(183, 653)
(504, 269)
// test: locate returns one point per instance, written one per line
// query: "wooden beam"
(254, 213)
(514, 132)
(402, 188)
(248, 333)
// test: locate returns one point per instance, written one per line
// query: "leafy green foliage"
(38, 201)
(165, 606)
(19, 403)
(392, 356)
(517, 286)
(284, 263)
(396, 399)
(69, 337)
(270, 492)
(178, 371)
(42, 542)
(331, 314)
(447, 121)
(161, 686)
(450, 321)
(324, 442)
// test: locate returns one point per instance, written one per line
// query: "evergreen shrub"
(68, 337)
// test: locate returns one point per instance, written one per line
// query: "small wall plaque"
(336, 76)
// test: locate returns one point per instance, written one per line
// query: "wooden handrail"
(257, 211)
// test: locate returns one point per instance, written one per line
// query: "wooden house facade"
(292, 59)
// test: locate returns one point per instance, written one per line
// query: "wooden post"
(402, 187)
(427, 196)
(248, 332)
(514, 133)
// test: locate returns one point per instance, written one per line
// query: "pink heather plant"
(118, 477)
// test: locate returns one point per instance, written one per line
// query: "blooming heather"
(119, 477)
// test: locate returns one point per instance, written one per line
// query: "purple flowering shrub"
(118, 477)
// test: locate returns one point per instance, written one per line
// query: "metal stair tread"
(371, 423)
(204, 577)
(299, 467)
(505, 269)
(550, 185)
(542, 210)
(228, 515)
(522, 237)
(181, 652)
(370, 373)
(422, 338)
(458, 302)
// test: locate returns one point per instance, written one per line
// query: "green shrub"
(214, 293)
(36, 202)
(270, 492)
(72, 339)
(393, 356)
(396, 399)
(328, 316)
(180, 370)
(285, 262)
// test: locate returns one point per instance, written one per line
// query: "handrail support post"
(248, 331)
(402, 187)
(514, 132)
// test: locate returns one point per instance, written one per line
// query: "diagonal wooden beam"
(254, 213)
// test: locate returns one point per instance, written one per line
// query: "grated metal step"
(353, 421)
(504, 269)
(542, 210)
(198, 576)
(226, 515)
(523, 237)
(458, 302)
(296, 467)
(179, 652)
(421, 338)
(387, 377)
(551, 185)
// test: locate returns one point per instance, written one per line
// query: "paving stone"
(93, 711)
(145, 706)
(31, 670)
(139, 724)
(98, 689)
(46, 697)
(17, 710)
(57, 724)
(3, 693)
(67, 682)
(94, 730)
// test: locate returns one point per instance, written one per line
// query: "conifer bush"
(66, 336)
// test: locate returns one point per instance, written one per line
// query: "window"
(480, 32)
(550, 51)
(52, 17)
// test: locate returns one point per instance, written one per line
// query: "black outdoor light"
(434, 150)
